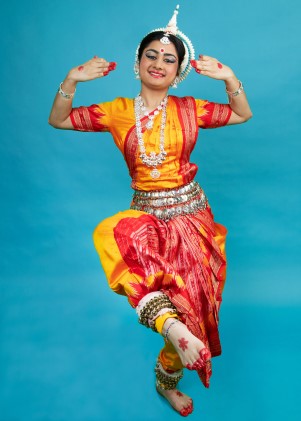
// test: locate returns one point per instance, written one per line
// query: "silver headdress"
(172, 28)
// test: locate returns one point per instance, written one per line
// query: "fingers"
(102, 67)
(95, 68)
(209, 66)
(205, 63)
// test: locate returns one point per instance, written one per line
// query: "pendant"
(155, 173)
(149, 124)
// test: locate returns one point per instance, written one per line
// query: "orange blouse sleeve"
(95, 118)
(211, 114)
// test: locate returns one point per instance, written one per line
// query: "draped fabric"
(184, 257)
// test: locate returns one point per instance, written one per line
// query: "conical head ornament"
(172, 28)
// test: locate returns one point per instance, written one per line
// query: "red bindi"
(80, 68)
(219, 65)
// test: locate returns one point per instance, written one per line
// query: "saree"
(183, 257)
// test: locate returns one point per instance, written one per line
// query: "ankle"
(165, 380)
(168, 325)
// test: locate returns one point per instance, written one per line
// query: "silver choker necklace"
(153, 159)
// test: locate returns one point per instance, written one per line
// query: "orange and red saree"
(183, 257)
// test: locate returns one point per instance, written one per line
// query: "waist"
(166, 204)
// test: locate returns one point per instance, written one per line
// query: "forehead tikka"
(165, 40)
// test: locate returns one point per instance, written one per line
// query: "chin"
(156, 83)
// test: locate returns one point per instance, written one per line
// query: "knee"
(103, 233)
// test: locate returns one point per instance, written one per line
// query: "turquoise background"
(70, 349)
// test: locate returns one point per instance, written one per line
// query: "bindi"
(183, 344)
(219, 65)
(80, 68)
(162, 51)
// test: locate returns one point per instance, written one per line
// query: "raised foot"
(179, 401)
(190, 349)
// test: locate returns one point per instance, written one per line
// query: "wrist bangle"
(239, 90)
(64, 95)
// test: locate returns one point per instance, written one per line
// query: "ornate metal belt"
(166, 204)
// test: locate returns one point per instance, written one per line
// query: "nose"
(159, 62)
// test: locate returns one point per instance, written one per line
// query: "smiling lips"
(156, 75)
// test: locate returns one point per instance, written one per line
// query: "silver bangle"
(239, 90)
(64, 95)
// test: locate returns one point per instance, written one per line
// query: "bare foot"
(178, 400)
(191, 350)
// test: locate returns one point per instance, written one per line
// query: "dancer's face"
(159, 65)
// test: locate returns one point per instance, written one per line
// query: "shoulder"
(115, 107)
(184, 101)
(119, 103)
(189, 101)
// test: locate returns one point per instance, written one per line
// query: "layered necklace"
(152, 160)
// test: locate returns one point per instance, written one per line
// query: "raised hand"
(211, 67)
(92, 69)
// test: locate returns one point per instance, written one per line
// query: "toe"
(198, 364)
(184, 412)
(187, 410)
(205, 354)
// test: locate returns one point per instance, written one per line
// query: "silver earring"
(174, 84)
(136, 71)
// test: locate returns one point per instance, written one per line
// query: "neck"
(152, 98)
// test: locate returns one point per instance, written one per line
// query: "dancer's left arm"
(211, 67)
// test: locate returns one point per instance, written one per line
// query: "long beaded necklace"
(149, 115)
(153, 159)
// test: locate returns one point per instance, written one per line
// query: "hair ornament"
(172, 28)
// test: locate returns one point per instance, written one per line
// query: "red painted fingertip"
(198, 71)
(112, 65)
(193, 63)
(106, 73)
(189, 367)
(201, 56)
(95, 57)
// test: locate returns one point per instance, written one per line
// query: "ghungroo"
(152, 308)
(165, 380)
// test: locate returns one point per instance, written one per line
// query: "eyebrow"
(165, 54)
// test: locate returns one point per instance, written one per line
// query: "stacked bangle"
(64, 94)
(239, 90)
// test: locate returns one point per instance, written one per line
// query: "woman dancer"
(165, 253)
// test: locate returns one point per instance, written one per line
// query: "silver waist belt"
(166, 204)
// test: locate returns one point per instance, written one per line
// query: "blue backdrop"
(69, 348)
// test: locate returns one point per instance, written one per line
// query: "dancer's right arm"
(61, 109)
